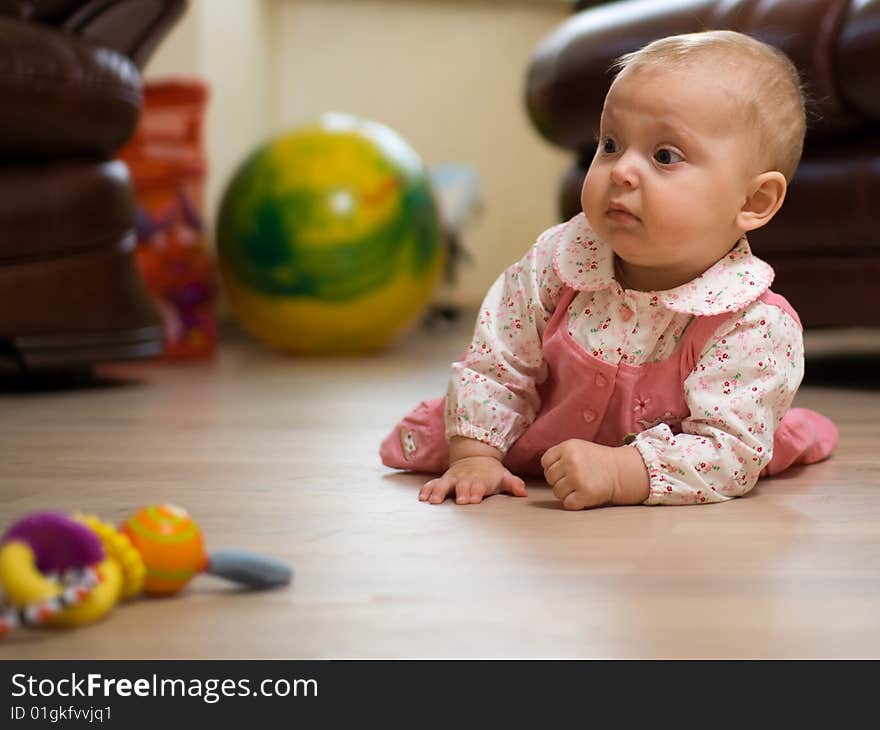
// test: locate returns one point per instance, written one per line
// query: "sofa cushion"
(858, 57)
(63, 96)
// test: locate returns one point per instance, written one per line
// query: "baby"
(636, 354)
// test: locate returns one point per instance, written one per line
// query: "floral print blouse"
(744, 381)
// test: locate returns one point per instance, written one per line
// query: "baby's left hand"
(584, 474)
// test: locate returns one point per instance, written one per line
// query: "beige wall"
(447, 75)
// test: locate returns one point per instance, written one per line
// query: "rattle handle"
(250, 569)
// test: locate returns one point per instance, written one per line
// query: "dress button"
(589, 415)
(601, 381)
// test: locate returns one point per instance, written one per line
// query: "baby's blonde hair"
(774, 103)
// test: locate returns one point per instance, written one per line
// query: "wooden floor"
(279, 455)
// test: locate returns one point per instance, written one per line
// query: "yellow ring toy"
(55, 570)
(22, 582)
(38, 599)
(118, 546)
(101, 599)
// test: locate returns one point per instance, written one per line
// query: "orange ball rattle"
(170, 544)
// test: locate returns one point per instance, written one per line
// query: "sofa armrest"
(63, 96)
(836, 49)
(131, 27)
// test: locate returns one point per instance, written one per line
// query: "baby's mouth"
(620, 213)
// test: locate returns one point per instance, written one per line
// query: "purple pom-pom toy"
(58, 541)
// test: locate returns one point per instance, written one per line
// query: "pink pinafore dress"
(585, 397)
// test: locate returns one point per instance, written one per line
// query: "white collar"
(586, 263)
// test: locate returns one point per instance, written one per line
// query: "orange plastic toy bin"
(166, 157)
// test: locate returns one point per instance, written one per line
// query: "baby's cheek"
(675, 220)
(591, 199)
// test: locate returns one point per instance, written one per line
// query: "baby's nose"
(625, 172)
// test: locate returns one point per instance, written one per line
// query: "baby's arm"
(475, 471)
(742, 386)
(492, 397)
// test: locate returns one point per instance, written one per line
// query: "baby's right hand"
(473, 478)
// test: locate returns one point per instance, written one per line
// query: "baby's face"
(671, 171)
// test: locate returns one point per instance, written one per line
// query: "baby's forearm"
(633, 483)
(463, 448)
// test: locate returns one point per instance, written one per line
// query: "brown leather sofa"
(70, 97)
(824, 244)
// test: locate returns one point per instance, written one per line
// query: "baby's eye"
(609, 147)
(666, 156)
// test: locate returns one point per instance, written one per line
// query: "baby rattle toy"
(66, 571)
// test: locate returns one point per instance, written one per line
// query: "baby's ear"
(766, 193)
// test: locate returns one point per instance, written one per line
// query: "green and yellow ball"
(329, 239)
(170, 544)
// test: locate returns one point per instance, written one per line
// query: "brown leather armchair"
(70, 291)
(824, 243)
